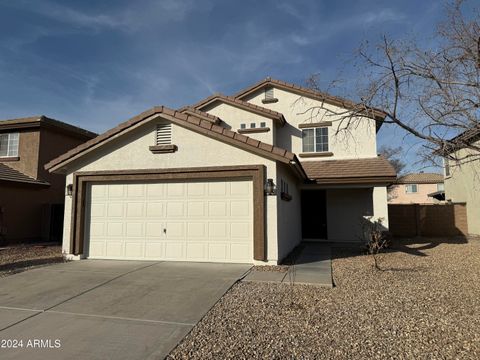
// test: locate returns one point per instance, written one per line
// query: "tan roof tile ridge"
(246, 105)
(200, 125)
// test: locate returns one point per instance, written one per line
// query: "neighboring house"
(31, 198)
(417, 188)
(229, 179)
(462, 178)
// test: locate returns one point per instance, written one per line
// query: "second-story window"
(9, 145)
(315, 140)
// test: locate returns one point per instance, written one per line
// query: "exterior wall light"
(270, 188)
(69, 189)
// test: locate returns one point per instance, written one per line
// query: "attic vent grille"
(269, 94)
(164, 134)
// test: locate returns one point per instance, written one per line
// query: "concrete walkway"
(105, 309)
(313, 266)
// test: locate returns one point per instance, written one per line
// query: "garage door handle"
(164, 231)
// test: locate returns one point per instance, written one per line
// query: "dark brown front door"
(314, 214)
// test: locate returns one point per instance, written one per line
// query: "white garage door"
(186, 221)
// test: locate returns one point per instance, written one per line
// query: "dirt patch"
(19, 258)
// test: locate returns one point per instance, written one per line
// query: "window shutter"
(164, 134)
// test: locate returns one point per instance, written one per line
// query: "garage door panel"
(97, 210)
(135, 209)
(196, 189)
(240, 230)
(218, 230)
(97, 229)
(135, 229)
(196, 251)
(240, 251)
(175, 190)
(204, 220)
(114, 249)
(115, 229)
(155, 209)
(154, 250)
(115, 209)
(116, 191)
(240, 188)
(155, 191)
(134, 249)
(175, 230)
(240, 208)
(174, 251)
(217, 208)
(219, 251)
(217, 189)
(153, 229)
(135, 191)
(196, 208)
(175, 209)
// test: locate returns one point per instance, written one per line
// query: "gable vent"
(164, 134)
(269, 94)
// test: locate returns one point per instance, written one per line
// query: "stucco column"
(380, 205)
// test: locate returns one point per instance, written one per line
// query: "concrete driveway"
(105, 309)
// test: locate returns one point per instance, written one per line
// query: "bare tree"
(431, 93)
(394, 156)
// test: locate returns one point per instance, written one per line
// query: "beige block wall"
(398, 194)
(194, 150)
(356, 141)
(463, 185)
(233, 117)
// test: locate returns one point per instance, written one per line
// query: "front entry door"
(314, 215)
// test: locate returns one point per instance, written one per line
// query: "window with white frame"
(315, 139)
(9, 145)
(411, 188)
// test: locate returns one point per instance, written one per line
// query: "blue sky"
(97, 63)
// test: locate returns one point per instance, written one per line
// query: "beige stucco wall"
(194, 150)
(463, 185)
(233, 117)
(289, 212)
(359, 141)
(348, 208)
(398, 195)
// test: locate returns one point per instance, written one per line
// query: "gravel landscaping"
(424, 304)
(21, 257)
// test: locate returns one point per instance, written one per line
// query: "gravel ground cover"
(19, 258)
(424, 304)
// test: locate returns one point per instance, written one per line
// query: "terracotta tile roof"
(12, 175)
(241, 104)
(421, 178)
(37, 121)
(374, 113)
(201, 114)
(188, 121)
(368, 170)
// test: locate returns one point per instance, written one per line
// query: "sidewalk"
(313, 266)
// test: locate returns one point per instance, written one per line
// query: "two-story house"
(31, 198)
(241, 178)
(417, 188)
(462, 177)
